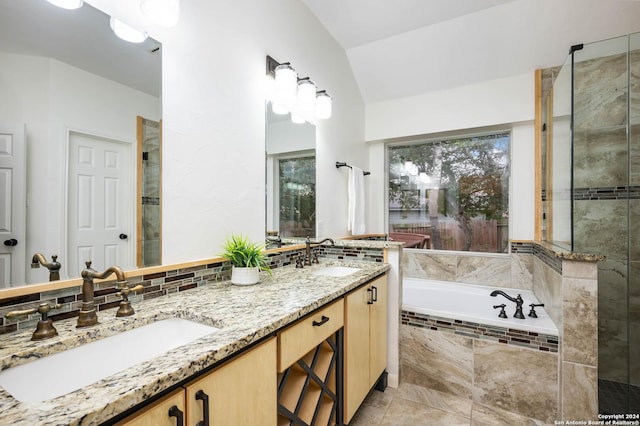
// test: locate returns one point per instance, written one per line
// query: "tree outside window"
(297, 192)
(455, 190)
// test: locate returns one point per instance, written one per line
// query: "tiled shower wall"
(607, 202)
(151, 202)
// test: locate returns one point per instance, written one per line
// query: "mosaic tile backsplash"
(159, 284)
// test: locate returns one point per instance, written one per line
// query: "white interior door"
(100, 211)
(12, 205)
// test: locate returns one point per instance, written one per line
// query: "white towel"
(356, 201)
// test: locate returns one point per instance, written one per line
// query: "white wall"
(213, 116)
(50, 97)
(507, 103)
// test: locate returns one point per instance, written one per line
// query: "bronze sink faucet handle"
(125, 308)
(45, 328)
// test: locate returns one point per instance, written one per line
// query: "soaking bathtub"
(468, 303)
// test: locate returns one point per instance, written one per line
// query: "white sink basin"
(336, 271)
(58, 374)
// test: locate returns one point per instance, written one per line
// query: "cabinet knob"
(178, 414)
(11, 242)
(369, 296)
(202, 396)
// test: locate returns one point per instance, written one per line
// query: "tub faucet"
(88, 314)
(307, 256)
(53, 266)
(517, 300)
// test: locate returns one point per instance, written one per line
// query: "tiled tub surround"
(565, 282)
(244, 314)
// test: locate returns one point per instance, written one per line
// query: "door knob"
(11, 242)
(123, 236)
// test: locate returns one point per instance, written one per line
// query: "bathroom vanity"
(295, 325)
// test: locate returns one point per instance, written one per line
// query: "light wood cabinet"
(308, 354)
(365, 342)
(241, 392)
(167, 411)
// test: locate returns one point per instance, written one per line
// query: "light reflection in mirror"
(290, 176)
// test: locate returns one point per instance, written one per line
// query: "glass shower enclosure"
(591, 196)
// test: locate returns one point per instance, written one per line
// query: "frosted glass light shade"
(162, 12)
(67, 4)
(278, 109)
(306, 94)
(127, 33)
(286, 82)
(297, 119)
(323, 106)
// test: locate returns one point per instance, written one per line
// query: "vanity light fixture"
(306, 94)
(278, 109)
(286, 82)
(299, 96)
(162, 12)
(67, 4)
(127, 33)
(323, 105)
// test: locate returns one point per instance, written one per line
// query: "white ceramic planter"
(245, 276)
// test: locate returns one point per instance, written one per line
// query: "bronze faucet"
(53, 267)
(517, 300)
(45, 328)
(88, 314)
(307, 256)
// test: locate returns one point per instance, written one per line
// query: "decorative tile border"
(521, 247)
(159, 284)
(548, 257)
(607, 193)
(508, 336)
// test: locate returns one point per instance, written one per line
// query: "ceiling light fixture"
(127, 33)
(162, 12)
(296, 95)
(67, 4)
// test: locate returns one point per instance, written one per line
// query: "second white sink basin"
(58, 374)
(336, 271)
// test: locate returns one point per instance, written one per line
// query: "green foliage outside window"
(465, 180)
(297, 188)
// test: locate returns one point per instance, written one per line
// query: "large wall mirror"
(83, 107)
(290, 176)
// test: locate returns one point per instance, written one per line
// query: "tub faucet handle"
(532, 312)
(502, 313)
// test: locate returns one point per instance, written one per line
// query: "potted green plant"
(247, 259)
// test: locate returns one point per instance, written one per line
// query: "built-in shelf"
(307, 393)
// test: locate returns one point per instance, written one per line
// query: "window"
(297, 196)
(454, 191)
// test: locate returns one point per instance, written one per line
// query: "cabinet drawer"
(306, 334)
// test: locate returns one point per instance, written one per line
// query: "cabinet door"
(167, 411)
(241, 392)
(356, 351)
(378, 330)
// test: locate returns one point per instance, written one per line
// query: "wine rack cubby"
(309, 392)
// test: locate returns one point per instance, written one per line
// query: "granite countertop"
(244, 314)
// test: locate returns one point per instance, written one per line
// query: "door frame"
(132, 176)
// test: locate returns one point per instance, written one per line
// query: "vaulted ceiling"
(405, 48)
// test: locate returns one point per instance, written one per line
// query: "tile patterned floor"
(411, 405)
